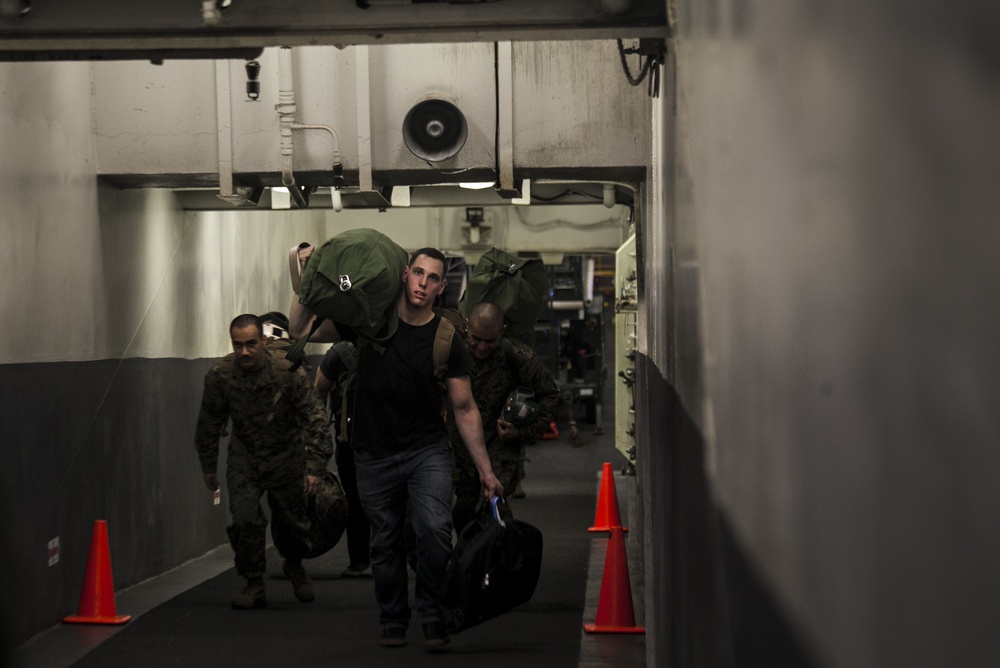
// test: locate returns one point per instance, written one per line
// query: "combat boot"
(252, 596)
(301, 583)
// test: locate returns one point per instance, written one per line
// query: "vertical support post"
(224, 126)
(505, 117)
(365, 181)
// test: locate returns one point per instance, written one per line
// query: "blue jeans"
(424, 478)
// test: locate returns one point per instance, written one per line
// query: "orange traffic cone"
(97, 600)
(607, 515)
(614, 606)
(551, 433)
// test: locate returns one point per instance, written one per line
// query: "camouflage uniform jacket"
(279, 425)
(492, 381)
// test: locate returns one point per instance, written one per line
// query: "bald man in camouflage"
(281, 445)
(499, 366)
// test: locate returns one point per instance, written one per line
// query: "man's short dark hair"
(245, 320)
(432, 253)
(487, 315)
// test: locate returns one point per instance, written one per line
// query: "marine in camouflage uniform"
(498, 366)
(280, 445)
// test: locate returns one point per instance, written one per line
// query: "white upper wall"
(572, 107)
(155, 115)
(50, 218)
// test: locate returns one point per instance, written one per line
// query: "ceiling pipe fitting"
(338, 168)
(286, 118)
(588, 281)
(210, 13)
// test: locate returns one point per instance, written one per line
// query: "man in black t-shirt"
(401, 451)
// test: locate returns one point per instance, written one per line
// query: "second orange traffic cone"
(615, 613)
(97, 600)
(607, 515)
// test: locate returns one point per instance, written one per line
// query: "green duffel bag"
(354, 279)
(518, 285)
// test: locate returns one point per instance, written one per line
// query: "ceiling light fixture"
(400, 196)
(525, 198)
(281, 198)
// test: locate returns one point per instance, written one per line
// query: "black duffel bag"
(494, 568)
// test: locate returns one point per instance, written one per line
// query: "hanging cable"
(652, 54)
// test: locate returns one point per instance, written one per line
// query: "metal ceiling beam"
(128, 30)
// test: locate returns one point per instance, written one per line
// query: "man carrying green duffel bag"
(353, 280)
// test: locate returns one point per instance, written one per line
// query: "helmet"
(327, 513)
(275, 325)
(520, 409)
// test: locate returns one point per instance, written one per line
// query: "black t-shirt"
(397, 405)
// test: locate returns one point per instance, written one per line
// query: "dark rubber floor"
(340, 628)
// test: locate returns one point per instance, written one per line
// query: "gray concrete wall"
(102, 440)
(832, 452)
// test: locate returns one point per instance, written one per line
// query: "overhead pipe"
(609, 195)
(338, 168)
(286, 119)
(588, 281)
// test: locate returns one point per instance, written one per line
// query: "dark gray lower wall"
(107, 440)
(712, 608)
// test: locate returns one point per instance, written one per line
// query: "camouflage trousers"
(247, 533)
(508, 467)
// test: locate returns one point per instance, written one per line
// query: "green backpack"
(518, 285)
(353, 279)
